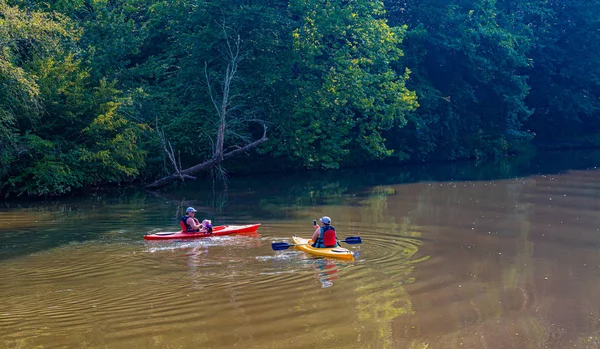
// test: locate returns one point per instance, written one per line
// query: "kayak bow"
(217, 231)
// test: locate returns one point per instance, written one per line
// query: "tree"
(62, 129)
(24, 38)
(345, 92)
(565, 75)
(469, 62)
(225, 107)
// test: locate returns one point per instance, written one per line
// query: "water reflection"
(327, 272)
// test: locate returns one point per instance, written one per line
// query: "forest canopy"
(93, 92)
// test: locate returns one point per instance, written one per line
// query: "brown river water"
(464, 255)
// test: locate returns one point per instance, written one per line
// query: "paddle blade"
(278, 246)
(353, 240)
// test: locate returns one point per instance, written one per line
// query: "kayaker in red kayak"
(189, 223)
(325, 236)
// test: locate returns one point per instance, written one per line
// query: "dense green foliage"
(87, 86)
(61, 128)
(469, 59)
(347, 92)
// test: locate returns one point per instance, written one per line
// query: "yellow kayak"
(335, 252)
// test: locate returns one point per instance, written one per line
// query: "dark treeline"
(95, 92)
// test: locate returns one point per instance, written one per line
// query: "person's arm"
(316, 233)
(193, 222)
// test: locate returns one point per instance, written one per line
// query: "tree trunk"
(222, 109)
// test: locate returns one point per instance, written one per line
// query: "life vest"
(327, 237)
(184, 225)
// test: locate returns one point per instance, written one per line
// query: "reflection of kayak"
(217, 231)
(336, 252)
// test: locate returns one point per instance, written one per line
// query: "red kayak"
(217, 231)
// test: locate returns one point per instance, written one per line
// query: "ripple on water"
(123, 292)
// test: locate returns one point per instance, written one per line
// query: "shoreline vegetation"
(150, 92)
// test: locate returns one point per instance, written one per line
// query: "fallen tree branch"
(188, 172)
(248, 146)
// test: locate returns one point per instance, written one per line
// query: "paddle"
(278, 246)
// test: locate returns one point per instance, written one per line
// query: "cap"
(325, 220)
(190, 209)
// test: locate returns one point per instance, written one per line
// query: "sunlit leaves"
(27, 38)
(347, 92)
(112, 152)
(59, 129)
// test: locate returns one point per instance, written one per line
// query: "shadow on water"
(128, 213)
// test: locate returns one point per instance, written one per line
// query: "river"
(502, 254)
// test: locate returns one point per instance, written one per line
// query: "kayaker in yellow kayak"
(325, 236)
